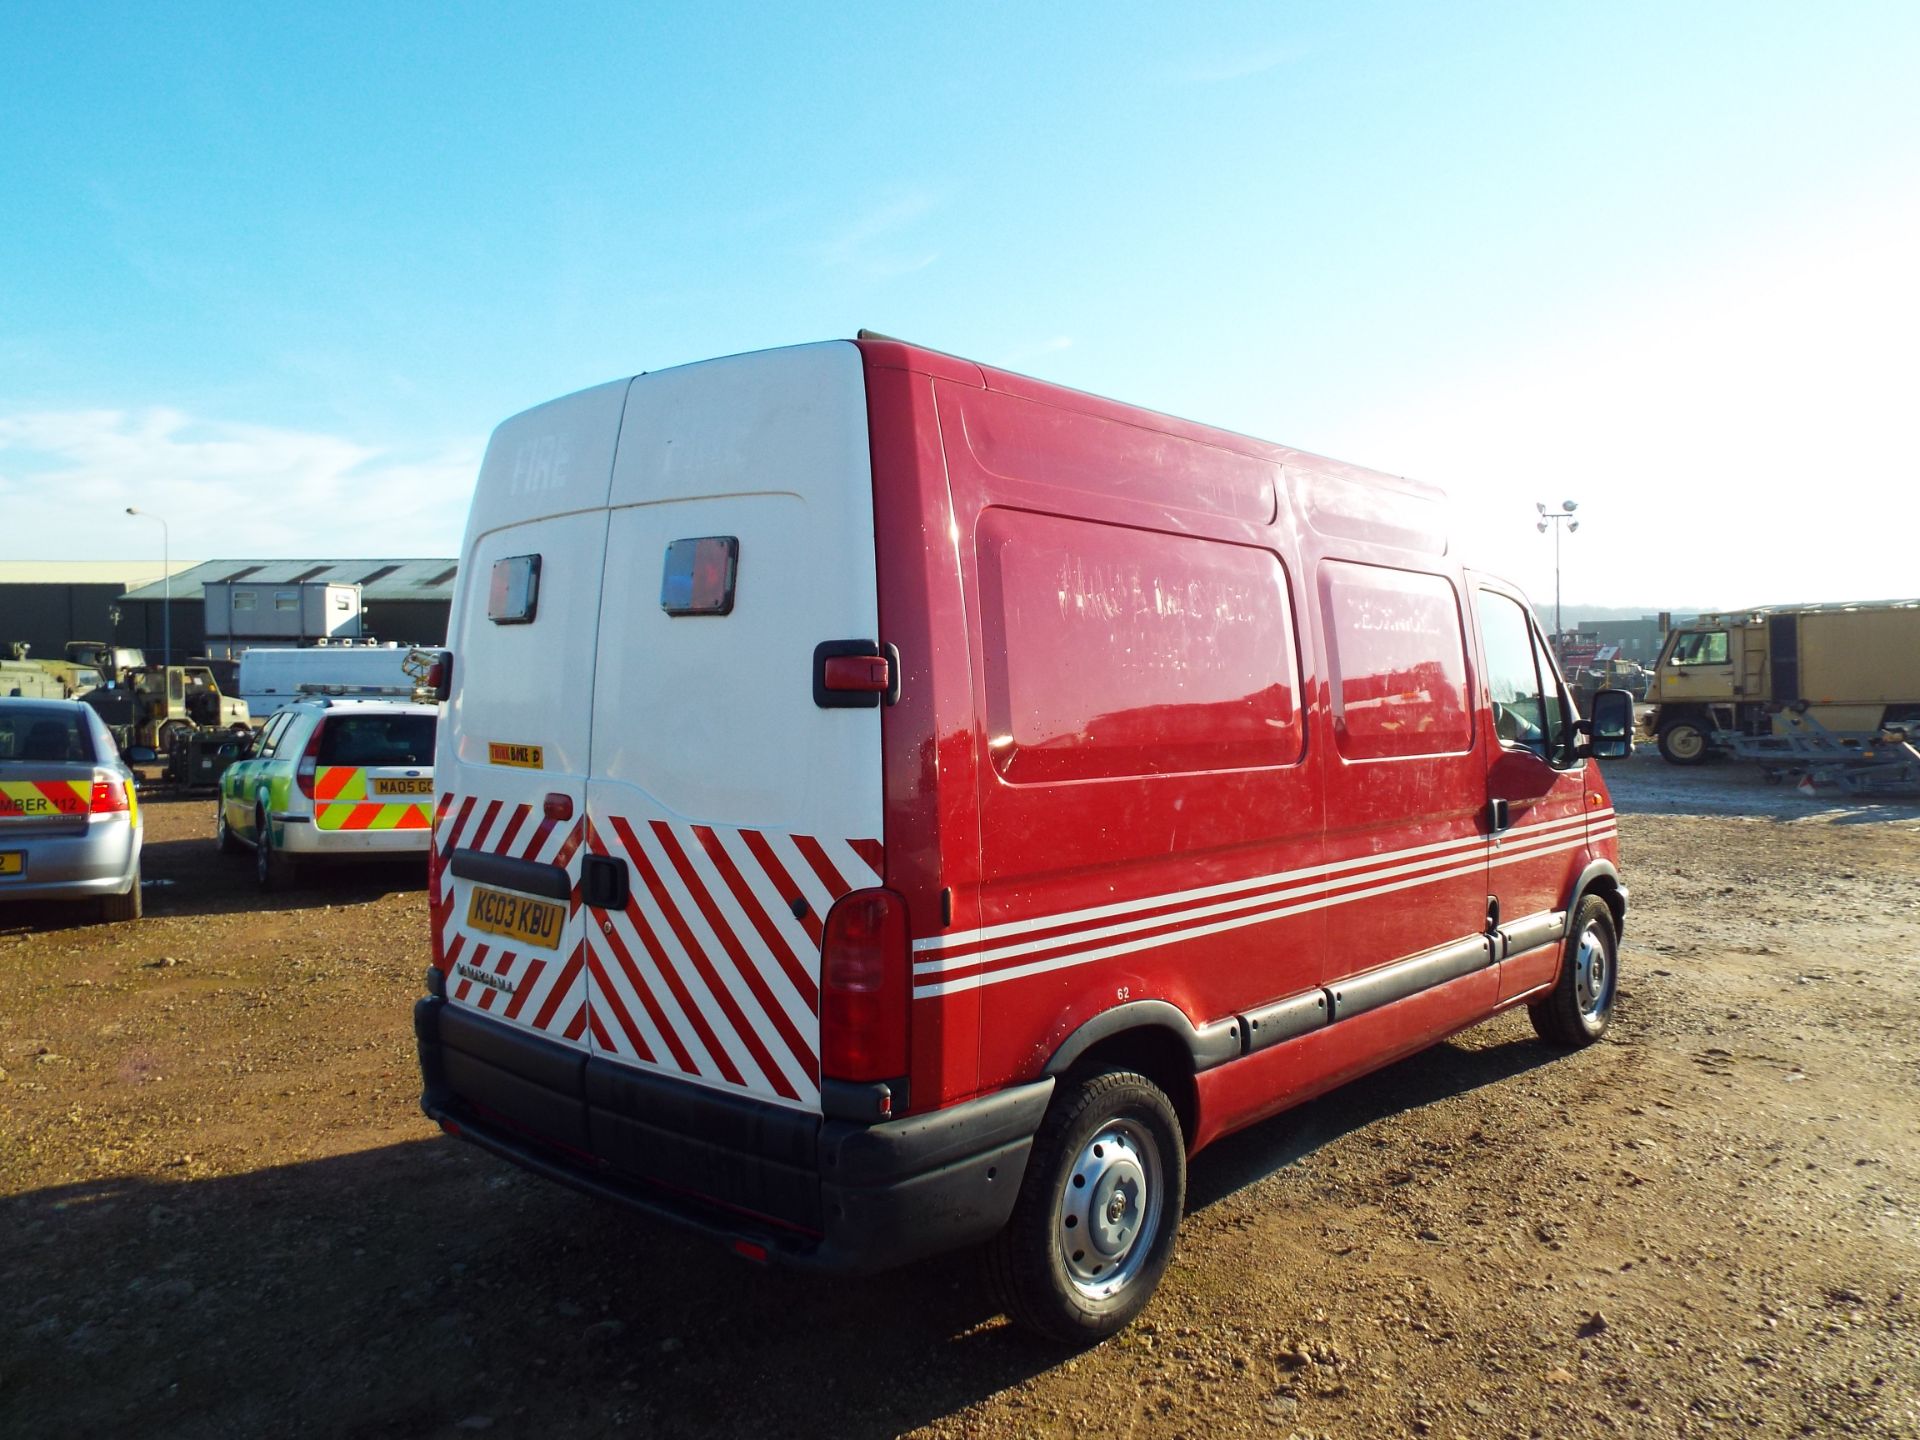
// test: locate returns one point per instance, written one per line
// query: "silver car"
(69, 816)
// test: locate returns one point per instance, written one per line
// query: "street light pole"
(1554, 517)
(166, 580)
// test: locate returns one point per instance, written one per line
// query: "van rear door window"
(1399, 662)
(1115, 652)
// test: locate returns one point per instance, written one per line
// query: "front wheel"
(223, 832)
(1579, 1008)
(1683, 742)
(1093, 1229)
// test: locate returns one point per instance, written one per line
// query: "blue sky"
(277, 278)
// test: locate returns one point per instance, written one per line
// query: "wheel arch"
(1155, 1039)
(1602, 878)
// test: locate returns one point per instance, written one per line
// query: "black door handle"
(1499, 815)
(604, 882)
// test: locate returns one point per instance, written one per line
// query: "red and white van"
(888, 803)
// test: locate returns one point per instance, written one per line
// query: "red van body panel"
(1218, 851)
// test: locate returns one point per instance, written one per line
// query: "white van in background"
(270, 679)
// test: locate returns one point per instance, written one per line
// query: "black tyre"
(222, 832)
(1683, 742)
(1093, 1230)
(273, 870)
(113, 909)
(1578, 1010)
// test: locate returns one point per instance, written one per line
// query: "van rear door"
(728, 809)
(511, 763)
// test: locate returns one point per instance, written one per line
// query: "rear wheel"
(1093, 1229)
(272, 869)
(1683, 742)
(112, 909)
(1580, 1006)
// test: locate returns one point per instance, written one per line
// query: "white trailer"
(272, 679)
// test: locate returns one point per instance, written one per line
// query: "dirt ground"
(221, 1212)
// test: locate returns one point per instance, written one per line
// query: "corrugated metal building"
(405, 600)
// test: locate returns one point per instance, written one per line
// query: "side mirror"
(1610, 726)
(142, 755)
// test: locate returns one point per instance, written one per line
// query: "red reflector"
(449, 1127)
(867, 673)
(109, 798)
(557, 806)
(863, 988)
(750, 1251)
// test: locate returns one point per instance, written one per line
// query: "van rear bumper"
(822, 1193)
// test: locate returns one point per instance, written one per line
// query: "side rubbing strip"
(1410, 976)
(1284, 1019)
(529, 877)
(1530, 932)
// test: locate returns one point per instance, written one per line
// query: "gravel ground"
(222, 1214)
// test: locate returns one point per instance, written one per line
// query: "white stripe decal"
(1209, 892)
(945, 986)
(1313, 880)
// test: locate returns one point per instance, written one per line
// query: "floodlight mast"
(166, 577)
(1553, 518)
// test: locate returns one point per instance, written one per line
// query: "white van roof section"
(554, 459)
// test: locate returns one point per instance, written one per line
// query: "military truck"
(43, 679)
(165, 709)
(1855, 668)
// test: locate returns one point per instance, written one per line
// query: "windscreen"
(377, 740)
(31, 733)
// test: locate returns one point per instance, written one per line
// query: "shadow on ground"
(403, 1290)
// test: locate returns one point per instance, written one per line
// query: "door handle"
(1499, 815)
(604, 882)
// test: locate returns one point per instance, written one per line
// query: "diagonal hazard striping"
(606, 998)
(764, 923)
(563, 986)
(649, 996)
(745, 964)
(727, 1011)
(810, 918)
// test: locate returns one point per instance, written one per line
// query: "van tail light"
(440, 675)
(309, 762)
(110, 795)
(864, 985)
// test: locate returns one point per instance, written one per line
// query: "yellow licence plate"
(13, 862)
(521, 917)
(402, 785)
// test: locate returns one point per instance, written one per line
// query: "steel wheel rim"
(1110, 1209)
(1593, 973)
(1686, 741)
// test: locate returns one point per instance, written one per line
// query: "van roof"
(887, 352)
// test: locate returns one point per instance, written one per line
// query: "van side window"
(1700, 647)
(1529, 711)
(1118, 652)
(1399, 662)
